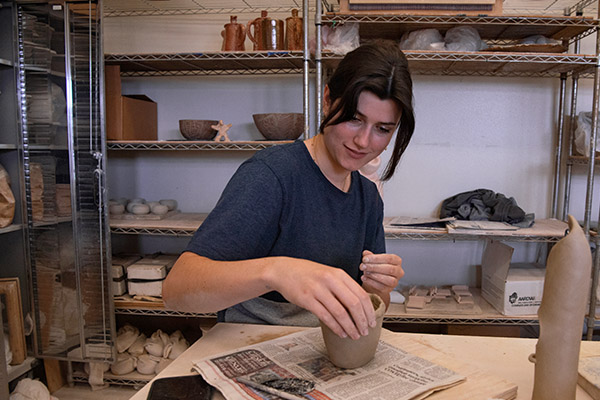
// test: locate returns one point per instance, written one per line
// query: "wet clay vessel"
(349, 353)
(561, 315)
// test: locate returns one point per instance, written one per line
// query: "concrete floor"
(83, 392)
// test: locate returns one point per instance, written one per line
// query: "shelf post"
(305, 69)
(318, 66)
(558, 146)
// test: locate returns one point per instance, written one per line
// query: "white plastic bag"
(464, 38)
(424, 39)
(583, 131)
(341, 39)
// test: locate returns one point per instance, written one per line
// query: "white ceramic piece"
(159, 209)
(179, 346)
(170, 203)
(116, 209)
(146, 365)
(124, 364)
(137, 348)
(140, 209)
(126, 338)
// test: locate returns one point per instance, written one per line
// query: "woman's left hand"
(381, 271)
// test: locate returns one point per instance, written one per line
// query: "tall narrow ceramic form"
(293, 32)
(561, 316)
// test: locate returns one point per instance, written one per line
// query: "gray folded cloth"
(484, 204)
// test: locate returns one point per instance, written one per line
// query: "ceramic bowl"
(280, 126)
(197, 129)
(349, 353)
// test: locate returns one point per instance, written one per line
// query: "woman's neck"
(320, 154)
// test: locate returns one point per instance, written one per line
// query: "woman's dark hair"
(379, 67)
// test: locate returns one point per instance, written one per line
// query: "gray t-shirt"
(279, 203)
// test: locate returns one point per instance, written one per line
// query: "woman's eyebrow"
(358, 113)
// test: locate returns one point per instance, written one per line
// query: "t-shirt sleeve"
(245, 222)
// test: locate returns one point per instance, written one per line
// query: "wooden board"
(529, 48)
(144, 217)
(422, 7)
(479, 384)
(11, 290)
(589, 376)
(184, 221)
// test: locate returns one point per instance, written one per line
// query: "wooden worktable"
(505, 358)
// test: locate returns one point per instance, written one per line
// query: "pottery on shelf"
(280, 126)
(170, 203)
(140, 209)
(234, 35)
(159, 209)
(349, 353)
(197, 129)
(293, 32)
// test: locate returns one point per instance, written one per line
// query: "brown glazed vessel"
(350, 353)
(254, 31)
(293, 31)
(234, 35)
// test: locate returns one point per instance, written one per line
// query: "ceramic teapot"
(293, 31)
(234, 35)
(268, 32)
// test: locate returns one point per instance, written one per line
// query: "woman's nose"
(361, 138)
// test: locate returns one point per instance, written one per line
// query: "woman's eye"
(383, 129)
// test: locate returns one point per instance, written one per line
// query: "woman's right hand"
(329, 293)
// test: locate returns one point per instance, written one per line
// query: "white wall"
(472, 132)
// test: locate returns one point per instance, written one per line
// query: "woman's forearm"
(199, 284)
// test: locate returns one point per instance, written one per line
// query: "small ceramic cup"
(349, 353)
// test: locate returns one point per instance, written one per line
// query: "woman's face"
(354, 143)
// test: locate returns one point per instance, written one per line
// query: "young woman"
(297, 234)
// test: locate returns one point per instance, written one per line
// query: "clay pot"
(350, 353)
(234, 35)
(293, 31)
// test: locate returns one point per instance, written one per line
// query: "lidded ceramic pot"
(234, 35)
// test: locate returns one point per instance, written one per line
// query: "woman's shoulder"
(284, 155)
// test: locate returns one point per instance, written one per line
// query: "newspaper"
(296, 366)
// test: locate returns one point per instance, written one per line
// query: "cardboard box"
(511, 288)
(128, 117)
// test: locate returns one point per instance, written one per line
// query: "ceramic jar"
(293, 32)
(234, 35)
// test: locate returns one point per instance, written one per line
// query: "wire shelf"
(490, 63)
(209, 63)
(192, 145)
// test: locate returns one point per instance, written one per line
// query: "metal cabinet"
(59, 85)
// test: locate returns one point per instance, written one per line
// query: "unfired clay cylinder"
(561, 316)
(350, 353)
